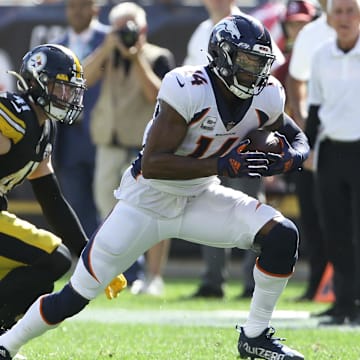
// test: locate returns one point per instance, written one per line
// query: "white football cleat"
(155, 286)
(138, 287)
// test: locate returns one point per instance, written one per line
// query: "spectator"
(131, 70)
(334, 130)
(270, 13)
(197, 54)
(75, 155)
(298, 13)
(307, 41)
(75, 158)
(172, 189)
(216, 259)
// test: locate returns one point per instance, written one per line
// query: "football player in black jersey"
(51, 88)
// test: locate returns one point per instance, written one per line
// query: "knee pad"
(279, 249)
(62, 305)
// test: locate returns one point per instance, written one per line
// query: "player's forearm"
(173, 167)
(94, 65)
(295, 136)
(59, 213)
(149, 80)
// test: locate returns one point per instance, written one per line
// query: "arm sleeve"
(58, 212)
(295, 136)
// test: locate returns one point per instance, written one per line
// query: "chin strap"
(21, 84)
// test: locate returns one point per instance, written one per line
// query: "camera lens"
(129, 33)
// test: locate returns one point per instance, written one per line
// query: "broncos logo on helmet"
(229, 27)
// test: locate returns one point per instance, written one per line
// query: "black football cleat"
(206, 291)
(265, 346)
(4, 354)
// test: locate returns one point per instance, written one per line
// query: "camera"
(129, 33)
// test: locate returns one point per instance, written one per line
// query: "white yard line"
(225, 318)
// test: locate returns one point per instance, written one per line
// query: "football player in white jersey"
(172, 190)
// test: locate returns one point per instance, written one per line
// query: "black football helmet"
(52, 75)
(240, 54)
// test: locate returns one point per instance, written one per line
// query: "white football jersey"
(212, 130)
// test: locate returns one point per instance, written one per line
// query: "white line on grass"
(219, 318)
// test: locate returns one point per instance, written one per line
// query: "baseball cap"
(300, 11)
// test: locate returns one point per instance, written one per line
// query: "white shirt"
(308, 40)
(335, 86)
(198, 44)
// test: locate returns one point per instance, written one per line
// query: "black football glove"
(288, 160)
(243, 164)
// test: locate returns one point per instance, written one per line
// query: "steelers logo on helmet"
(36, 62)
(240, 55)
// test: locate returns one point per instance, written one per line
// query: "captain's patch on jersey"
(209, 123)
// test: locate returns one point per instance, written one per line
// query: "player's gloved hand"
(289, 159)
(242, 164)
(116, 285)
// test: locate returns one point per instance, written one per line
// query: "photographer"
(131, 70)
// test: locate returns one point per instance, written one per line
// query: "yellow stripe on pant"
(21, 242)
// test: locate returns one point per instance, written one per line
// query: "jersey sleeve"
(11, 125)
(176, 90)
(273, 100)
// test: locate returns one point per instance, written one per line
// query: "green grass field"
(173, 327)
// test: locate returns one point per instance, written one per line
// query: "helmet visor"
(251, 68)
(252, 63)
(64, 93)
(66, 101)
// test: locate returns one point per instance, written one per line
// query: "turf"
(108, 339)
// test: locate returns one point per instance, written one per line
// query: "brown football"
(264, 141)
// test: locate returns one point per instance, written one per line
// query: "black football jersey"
(30, 142)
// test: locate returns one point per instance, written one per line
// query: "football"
(264, 141)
